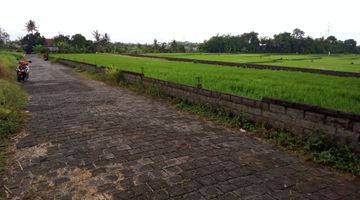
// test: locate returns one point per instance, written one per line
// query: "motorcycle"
(21, 75)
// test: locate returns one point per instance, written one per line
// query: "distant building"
(49, 43)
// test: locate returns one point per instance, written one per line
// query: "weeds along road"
(87, 140)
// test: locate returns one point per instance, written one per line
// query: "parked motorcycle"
(23, 71)
(21, 75)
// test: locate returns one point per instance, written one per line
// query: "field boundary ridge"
(251, 65)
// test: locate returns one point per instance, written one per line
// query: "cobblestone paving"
(86, 140)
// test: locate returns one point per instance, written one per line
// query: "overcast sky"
(191, 20)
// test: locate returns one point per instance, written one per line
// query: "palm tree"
(31, 26)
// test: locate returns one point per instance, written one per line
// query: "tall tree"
(96, 35)
(298, 33)
(101, 41)
(31, 26)
(106, 38)
(4, 37)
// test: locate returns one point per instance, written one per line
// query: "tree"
(61, 38)
(251, 41)
(80, 43)
(283, 43)
(156, 46)
(31, 26)
(176, 47)
(331, 39)
(106, 38)
(298, 34)
(30, 40)
(62, 42)
(4, 37)
(78, 40)
(101, 41)
(97, 35)
(350, 46)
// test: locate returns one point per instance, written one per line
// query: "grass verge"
(12, 101)
(315, 147)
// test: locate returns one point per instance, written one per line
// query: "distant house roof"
(49, 42)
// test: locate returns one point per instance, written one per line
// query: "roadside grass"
(12, 101)
(339, 93)
(315, 147)
(335, 62)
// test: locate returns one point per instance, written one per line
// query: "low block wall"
(254, 66)
(342, 128)
(83, 66)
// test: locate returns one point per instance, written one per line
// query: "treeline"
(33, 41)
(101, 43)
(295, 42)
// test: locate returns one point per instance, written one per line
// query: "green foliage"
(31, 40)
(285, 42)
(40, 49)
(323, 151)
(9, 122)
(338, 93)
(284, 139)
(11, 95)
(8, 64)
(12, 100)
(79, 43)
(154, 91)
(219, 115)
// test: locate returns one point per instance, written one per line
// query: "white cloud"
(192, 20)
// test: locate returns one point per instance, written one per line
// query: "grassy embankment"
(338, 62)
(12, 100)
(338, 93)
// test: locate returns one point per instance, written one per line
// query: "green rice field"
(338, 62)
(340, 93)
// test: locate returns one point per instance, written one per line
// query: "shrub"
(12, 100)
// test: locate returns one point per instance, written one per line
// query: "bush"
(323, 151)
(12, 100)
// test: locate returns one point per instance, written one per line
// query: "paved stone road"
(86, 140)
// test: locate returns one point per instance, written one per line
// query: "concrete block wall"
(82, 66)
(342, 128)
